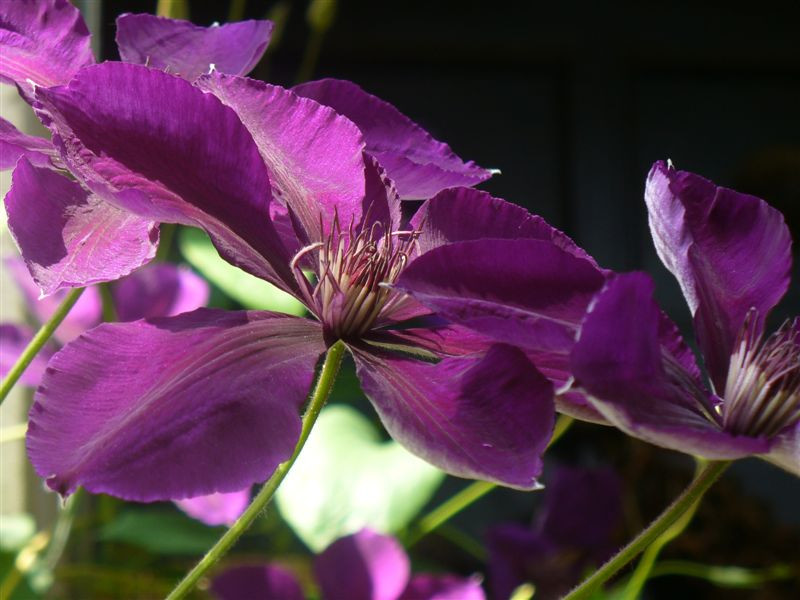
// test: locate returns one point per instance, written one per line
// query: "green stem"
(688, 498)
(476, 490)
(107, 300)
(327, 377)
(38, 342)
(166, 235)
(645, 566)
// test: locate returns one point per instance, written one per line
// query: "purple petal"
(86, 313)
(435, 336)
(70, 237)
(159, 290)
(463, 214)
(582, 509)
(184, 49)
(518, 555)
(159, 147)
(174, 407)
(251, 582)
(638, 385)
(218, 508)
(363, 566)
(786, 451)
(44, 41)
(417, 163)
(314, 155)
(729, 252)
(525, 292)
(14, 143)
(482, 417)
(443, 587)
(13, 341)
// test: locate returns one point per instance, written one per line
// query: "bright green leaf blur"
(347, 478)
(161, 531)
(249, 291)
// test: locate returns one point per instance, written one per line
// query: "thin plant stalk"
(38, 342)
(643, 570)
(473, 492)
(322, 391)
(683, 503)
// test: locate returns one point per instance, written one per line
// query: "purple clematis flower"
(362, 566)
(731, 254)
(208, 401)
(574, 530)
(89, 235)
(69, 234)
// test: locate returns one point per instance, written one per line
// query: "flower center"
(354, 272)
(762, 392)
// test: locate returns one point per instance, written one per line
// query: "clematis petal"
(525, 292)
(786, 451)
(43, 41)
(420, 165)
(463, 214)
(188, 50)
(13, 341)
(181, 156)
(314, 155)
(217, 508)
(443, 587)
(363, 566)
(142, 410)
(582, 510)
(487, 417)
(159, 290)
(86, 313)
(14, 143)
(518, 555)
(70, 237)
(433, 337)
(261, 581)
(634, 381)
(729, 252)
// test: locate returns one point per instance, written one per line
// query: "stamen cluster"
(355, 270)
(762, 392)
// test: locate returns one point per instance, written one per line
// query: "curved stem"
(327, 377)
(642, 571)
(688, 498)
(468, 495)
(38, 342)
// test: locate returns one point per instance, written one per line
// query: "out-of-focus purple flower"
(216, 509)
(574, 530)
(70, 232)
(156, 290)
(283, 186)
(731, 254)
(362, 566)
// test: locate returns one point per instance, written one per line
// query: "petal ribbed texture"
(174, 407)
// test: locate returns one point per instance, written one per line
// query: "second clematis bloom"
(363, 566)
(208, 401)
(731, 254)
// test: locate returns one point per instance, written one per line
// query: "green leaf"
(161, 531)
(15, 531)
(249, 291)
(347, 478)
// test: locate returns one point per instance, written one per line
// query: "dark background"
(573, 101)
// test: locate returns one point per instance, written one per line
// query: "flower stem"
(468, 495)
(643, 569)
(38, 342)
(327, 377)
(683, 503)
